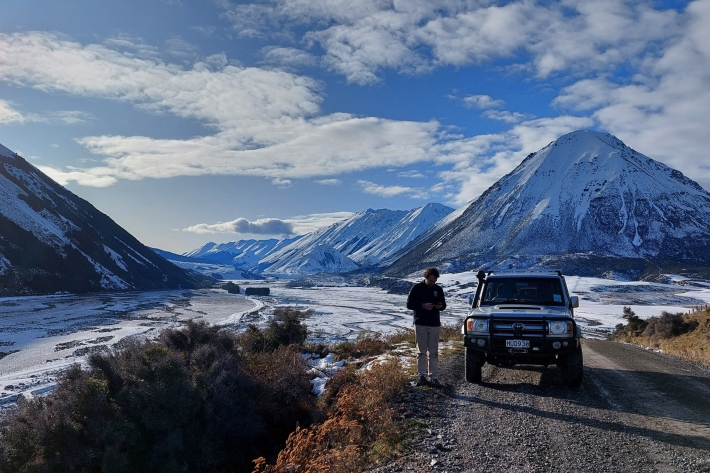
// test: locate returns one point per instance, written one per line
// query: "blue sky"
(196, 121)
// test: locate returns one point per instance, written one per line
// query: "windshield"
(538, 291)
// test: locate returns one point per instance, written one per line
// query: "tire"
(572, 368)
(474, 363)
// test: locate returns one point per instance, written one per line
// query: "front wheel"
(473, 366)
(572, 368)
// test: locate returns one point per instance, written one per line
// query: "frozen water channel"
(41, 336)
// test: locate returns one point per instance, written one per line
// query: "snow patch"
(116, 258)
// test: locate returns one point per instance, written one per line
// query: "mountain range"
(53, 241)
(361, 241)
(586, 203)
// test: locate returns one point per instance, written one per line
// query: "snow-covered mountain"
(244, 254)
(361, 240)
(586, 201)
(51, 240)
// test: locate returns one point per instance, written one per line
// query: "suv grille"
(511, 329)
(519, 328)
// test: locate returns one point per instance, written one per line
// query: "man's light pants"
(427, 350)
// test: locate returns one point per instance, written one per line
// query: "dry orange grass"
(450, 332)
(361, 428)
(374, 344)
(369, 344)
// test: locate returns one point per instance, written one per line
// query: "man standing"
(426, 299)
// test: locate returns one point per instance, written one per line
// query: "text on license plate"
(517, 343)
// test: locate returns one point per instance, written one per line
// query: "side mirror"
(470, 300)
(574, 302)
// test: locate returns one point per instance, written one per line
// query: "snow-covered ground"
(40, 336)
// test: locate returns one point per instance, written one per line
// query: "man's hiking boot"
(422, 381)
(436, 383)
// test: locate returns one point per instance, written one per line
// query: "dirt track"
(636, 411)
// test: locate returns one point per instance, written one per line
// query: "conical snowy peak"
(587, 193)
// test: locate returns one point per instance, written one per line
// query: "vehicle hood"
(515, 310)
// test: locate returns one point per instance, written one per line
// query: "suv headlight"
(477, 325)
(559, 327)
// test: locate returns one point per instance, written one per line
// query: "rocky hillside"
(51, 240)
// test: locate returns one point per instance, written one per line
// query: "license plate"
(517, 343)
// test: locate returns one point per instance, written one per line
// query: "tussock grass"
(450, 332)
(372, 344)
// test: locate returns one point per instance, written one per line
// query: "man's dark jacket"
(422, 294)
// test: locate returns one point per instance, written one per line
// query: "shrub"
(633, 328)
(667, 326)
(284, 328)
(231, 288)
(186, 402)
(366, 344)
(284, 396)
(372, 343)
(402, 336)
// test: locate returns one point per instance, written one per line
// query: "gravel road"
(637, 411)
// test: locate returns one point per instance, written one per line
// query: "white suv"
(523, 317)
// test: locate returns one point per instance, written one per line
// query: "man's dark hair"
(431, 272)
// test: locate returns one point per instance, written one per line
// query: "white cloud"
(360, 39)
(92, 177)
(277, 181)
(130, 46)
(269, 226)
(287, 58)
(229, 97)
(663, 110)
(181, 50)
(266, 122)
(67, 117)
(413, 173)
(8, 114)
(303, 224)
(391, 191)
(505, 116)
(269, 123)
(482, 101)
(329, 182)
(298, 225)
